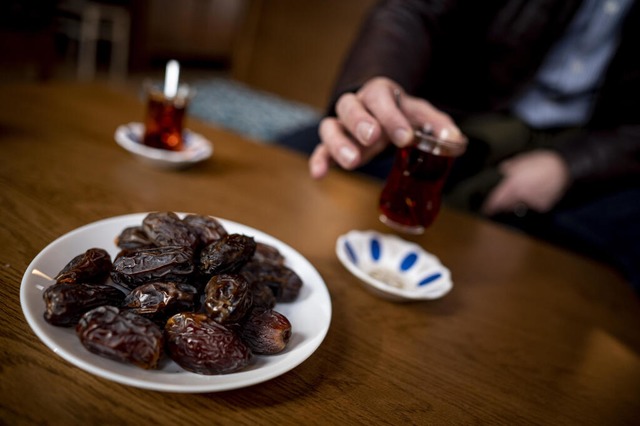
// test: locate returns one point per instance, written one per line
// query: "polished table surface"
(530, 334)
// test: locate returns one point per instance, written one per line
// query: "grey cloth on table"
(253, 113)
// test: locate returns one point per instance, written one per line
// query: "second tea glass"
(165, 116)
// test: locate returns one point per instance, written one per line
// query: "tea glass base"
(407, 229)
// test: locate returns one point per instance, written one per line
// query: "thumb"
(422, 114)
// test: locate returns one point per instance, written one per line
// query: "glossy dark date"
(122, 336)
(201, 345)
(227, 298)
(282, 280)
(269, 254)
(227, 255)
(170, 264)
(266, 331)
(158, 301)
(133, 238)
(206, 228)
(92, 266)
(65, 303)
(167, 229)
(262, 295)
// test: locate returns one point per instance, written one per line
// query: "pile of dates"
(179, 287)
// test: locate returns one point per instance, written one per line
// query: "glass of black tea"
(410, 199)
(165, 116)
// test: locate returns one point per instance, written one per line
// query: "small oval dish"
(197, 148)
(393, 268)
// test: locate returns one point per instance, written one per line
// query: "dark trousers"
(601, 222)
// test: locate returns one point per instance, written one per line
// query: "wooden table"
(529, 335)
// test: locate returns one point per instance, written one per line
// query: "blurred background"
(271, 61)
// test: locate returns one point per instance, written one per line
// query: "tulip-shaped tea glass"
(165, 116)
(410, 199)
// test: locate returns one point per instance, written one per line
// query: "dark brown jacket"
(476, 56)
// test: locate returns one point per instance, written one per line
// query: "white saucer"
(196, 148)
(393, 268)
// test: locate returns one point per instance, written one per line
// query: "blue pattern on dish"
(392, 267)
(408, 261)
(375, 249)
(351, 253)
(430, 279)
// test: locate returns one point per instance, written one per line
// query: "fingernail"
(347, 155)
(364, 131)
(316, 169)
(451, 132)
(402, 137)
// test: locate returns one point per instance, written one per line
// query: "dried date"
(227, 255)
(160, 300)
(133, 238)
(269, 254)
(262, 295)
(91, 266)
(201, 345)
(206, 228)
(122, 336)
(170, 264)
(227, 298)
(282, 280)
(65, 303)
(266, 331)
(167, 229)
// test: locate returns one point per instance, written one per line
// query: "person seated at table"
(547, 92)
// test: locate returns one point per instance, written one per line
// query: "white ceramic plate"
(310, 315)
(393, 268)
(196, 148)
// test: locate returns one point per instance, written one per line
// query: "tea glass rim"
(453, 148)
(155, 87)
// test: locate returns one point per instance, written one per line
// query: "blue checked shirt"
(563, 91)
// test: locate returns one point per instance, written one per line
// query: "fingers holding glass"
(424, 116)
(355, 117)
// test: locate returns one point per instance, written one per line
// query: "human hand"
(535, 180)
(368, 120)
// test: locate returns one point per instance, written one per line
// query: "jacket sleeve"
(610, 150)
(394, 41)
(604, 156)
